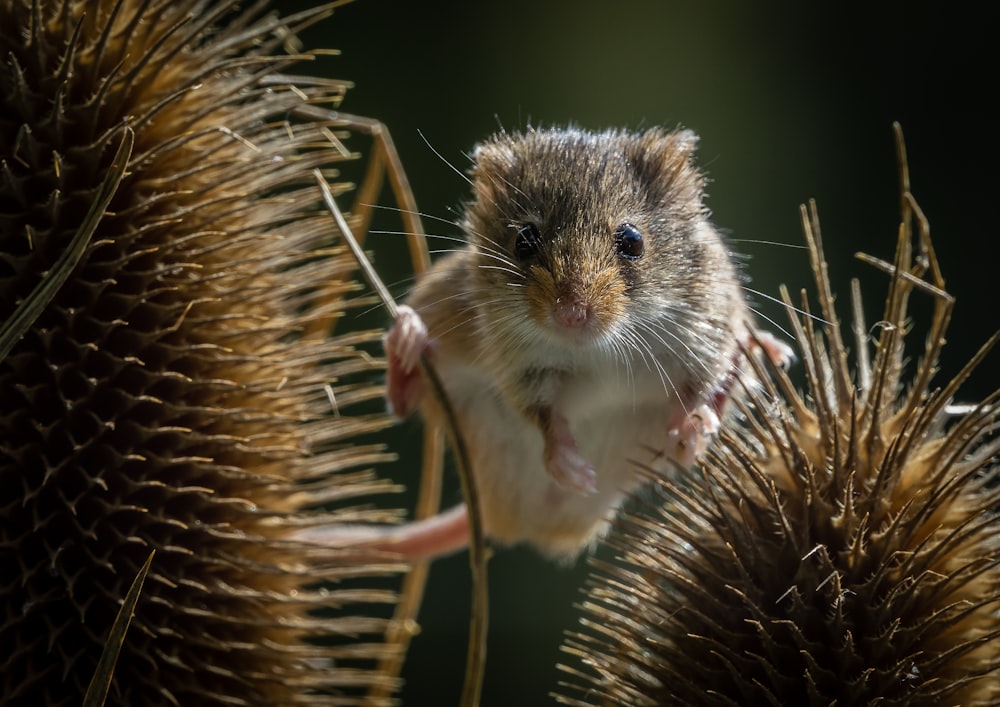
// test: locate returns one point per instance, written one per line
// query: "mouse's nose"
(571, 313)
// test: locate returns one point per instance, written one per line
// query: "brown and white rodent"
(592, 323)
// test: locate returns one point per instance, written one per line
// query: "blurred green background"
(792, 101)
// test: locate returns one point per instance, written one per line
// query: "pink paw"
(570, 470)
(563, 461)
(405, 342)
(780, 353)
(688, 439)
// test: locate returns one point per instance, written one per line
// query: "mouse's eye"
(529, 242)
(628, 241)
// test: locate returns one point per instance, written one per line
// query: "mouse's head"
(588, 233)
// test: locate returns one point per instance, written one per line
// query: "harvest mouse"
(592, 322)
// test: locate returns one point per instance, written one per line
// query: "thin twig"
(383, 159)
(478, 622)
(916, 282)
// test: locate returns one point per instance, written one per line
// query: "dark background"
(792, 101)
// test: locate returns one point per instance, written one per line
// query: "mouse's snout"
(581, 306)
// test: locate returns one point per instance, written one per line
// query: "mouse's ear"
(668, 144)
(687, 139)
(663, 160)
(492, 160)
(493, 155)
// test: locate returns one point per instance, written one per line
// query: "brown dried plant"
(841, 547)
(168, 366)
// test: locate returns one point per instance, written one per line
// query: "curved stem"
(479, 619)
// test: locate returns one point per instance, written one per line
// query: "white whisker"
(411, 212)
(787, 334)
(771, 298)
(454, 169)
(779, 244)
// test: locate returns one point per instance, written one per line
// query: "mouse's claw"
(404, 343)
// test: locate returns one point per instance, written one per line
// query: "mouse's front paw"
(780, 353)
(563, 461)
(404, 343)
(569, 469)
(688, 439)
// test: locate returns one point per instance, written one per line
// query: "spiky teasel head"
(841, 547)
(169, 396)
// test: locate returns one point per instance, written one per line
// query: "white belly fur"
(615, 427)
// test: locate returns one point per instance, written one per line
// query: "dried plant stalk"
(475, 668)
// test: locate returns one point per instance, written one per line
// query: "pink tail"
(426, 539)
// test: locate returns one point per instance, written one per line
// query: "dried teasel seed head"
(841, 547)
(170, 396)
